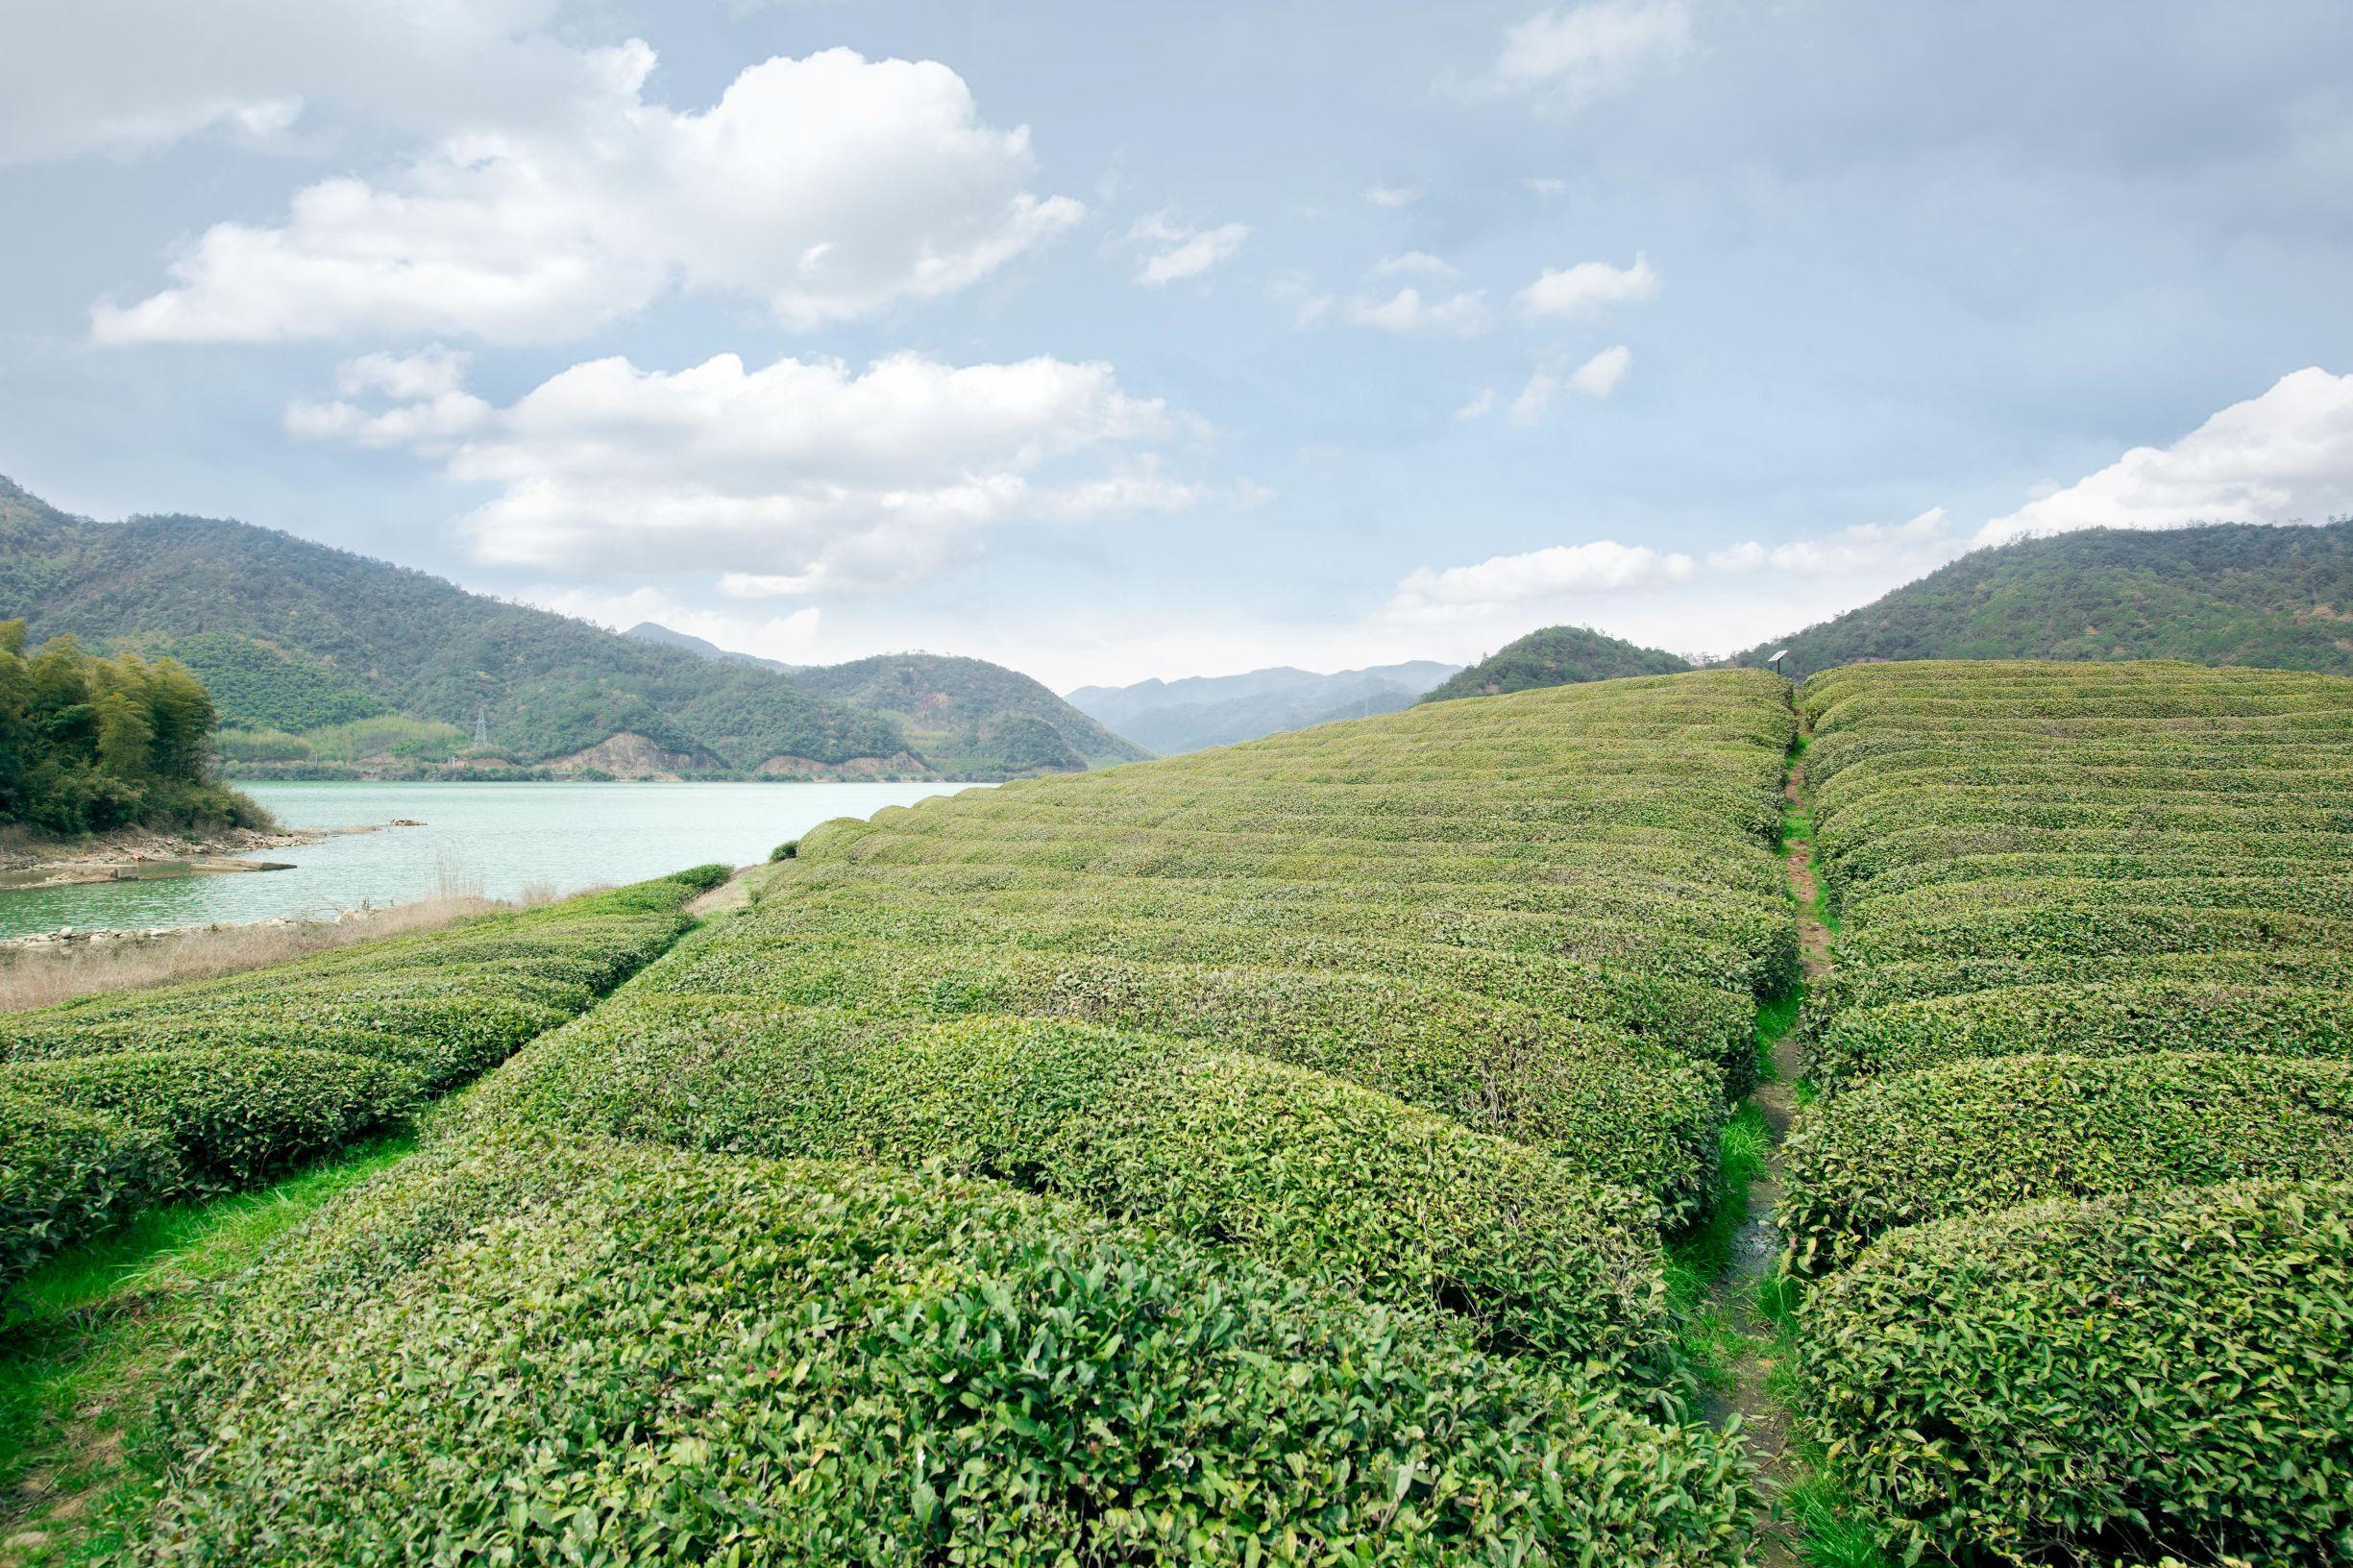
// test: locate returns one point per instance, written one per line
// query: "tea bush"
(67, 1173)
(234, 1116)
(248, 1072)
(2095, 940)
(600, 1352)
(1982, 1135)
(2125, 1379)
(1297, 1167)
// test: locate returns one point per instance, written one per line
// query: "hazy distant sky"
(1116, 340)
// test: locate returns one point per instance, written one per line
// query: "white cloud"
(1420, 262)
(1463, 315)
(1573, 55)
(801, 477)
(828, 188)
(404, 377)
(1177, 251)
(1394, 195)
(1589, 288)
(1924, 542)
(1544, 184)
(1597, 378)
(2282, 457)
(789, 637)
(123, 77)
(1478, 408)
(1506, 581)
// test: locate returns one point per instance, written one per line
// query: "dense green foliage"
(1554, 657)
(255, 686)
(2157, 1378)
(1979, 1135)
(245, 1074)
(969, 718)
(235, 1116)
(1136, 1127)
(393, 735)
(2228, 593)
(2094, 950)
(65, 1174)
(551, 686)
(89, 743)
(548, 1353)
(1248, 1107)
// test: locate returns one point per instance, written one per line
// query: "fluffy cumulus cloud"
(826, 188)
(1573, 55)
(1174, 251)
(802, 478)
(2284, 457)
(1407, 312)
(1588, 290)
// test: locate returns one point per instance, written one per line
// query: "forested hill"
(293, 635)
(1557, 656)
(968, 715)
(2238, 593)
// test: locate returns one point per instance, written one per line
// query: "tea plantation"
(1300, 1153)
(2077, 1188)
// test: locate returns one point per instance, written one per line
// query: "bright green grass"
(87, 1333)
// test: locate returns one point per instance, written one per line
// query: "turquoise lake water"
(505, 837)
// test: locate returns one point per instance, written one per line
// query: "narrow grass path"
(93, 1330)
(1746, 1257)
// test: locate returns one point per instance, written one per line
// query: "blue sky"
(1118, 341)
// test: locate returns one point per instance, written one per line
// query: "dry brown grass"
(38, 975)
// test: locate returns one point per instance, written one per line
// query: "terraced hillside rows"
(1258, 1156)
(115, 1102)
(2075, 1200)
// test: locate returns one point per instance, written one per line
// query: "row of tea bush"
(2076, 1198)
(118, 1101)
(1253, 1157)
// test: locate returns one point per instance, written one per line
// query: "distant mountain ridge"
(653, 631)
(962, 714)
(298, 636)
(1201, 711)
(1557, 656)
(2278, 596)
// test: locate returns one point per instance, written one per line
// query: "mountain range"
(1202, 711)
(296, 639)
(2276, 596)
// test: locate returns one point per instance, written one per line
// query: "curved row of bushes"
(1271, 1160)
(564, 1351)
(2072, 1202)
(1604, 1101)
(119, 1101)
(1152, 1295)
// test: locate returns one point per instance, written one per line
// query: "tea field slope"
(1262, 1155)
(2074, 1203)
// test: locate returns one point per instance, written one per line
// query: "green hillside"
(1555, 656)
(972, 715)
(298, 633)
(2235, 593)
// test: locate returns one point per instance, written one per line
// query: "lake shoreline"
(148, 854)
